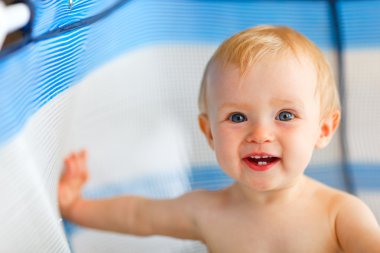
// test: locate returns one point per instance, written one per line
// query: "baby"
(267, 100)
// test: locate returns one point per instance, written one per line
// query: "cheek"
(299, 144)
(223, 141)
(226, 145)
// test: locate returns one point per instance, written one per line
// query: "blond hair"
(249, 46)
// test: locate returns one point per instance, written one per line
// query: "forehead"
(283, 72)
(277, 76)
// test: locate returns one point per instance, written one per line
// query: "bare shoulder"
(339, 204)
(348, 207)
(336, 198)
(354, 224)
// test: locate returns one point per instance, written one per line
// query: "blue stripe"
(360, 23)
(365, 176)
(360, 18)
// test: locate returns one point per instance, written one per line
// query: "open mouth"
(260, 162)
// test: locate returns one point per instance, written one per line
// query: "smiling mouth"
(260, 162)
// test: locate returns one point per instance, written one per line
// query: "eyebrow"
(274, 101)
(280, 101)
(233, 105)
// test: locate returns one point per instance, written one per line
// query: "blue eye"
(237, 117)
(285, 116)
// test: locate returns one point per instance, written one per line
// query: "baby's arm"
(127, 214)
(357, 228)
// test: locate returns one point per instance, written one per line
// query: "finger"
(74, 166)
(83, 154)
(71, 167)
(77, 164)
(75, 171)
(83, 164)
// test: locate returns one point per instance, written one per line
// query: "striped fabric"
(120, 78)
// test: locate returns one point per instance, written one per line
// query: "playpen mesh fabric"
(120, 78)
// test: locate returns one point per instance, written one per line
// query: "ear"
(204, 124)
(328, 127)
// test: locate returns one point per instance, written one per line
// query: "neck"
(285, 194)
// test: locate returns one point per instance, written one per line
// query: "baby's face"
(265, 125)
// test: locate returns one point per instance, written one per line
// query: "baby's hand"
(74, 176)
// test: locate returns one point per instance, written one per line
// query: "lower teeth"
(262, 163)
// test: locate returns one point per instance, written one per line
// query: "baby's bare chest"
(283, 232)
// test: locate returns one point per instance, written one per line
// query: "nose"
(260, 134)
